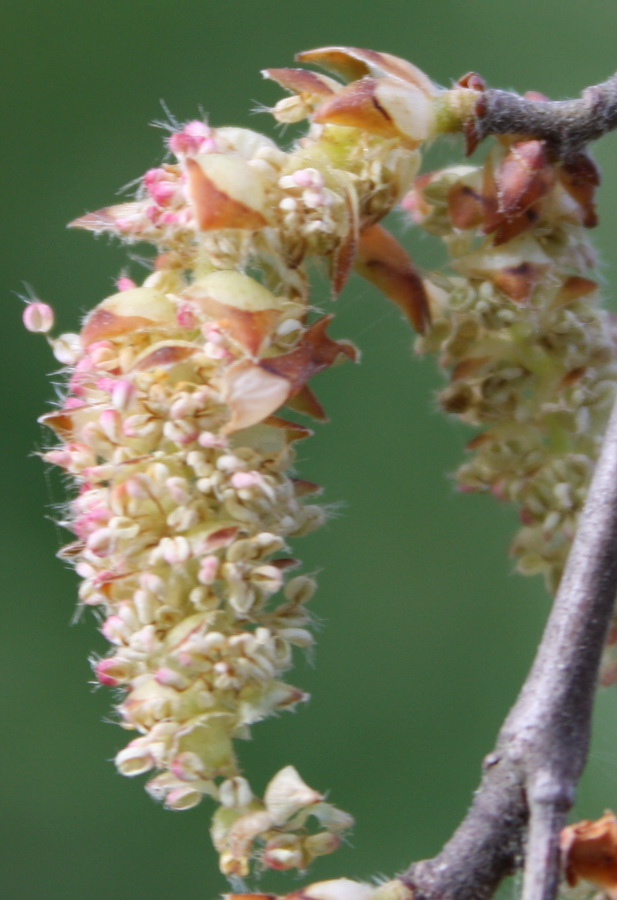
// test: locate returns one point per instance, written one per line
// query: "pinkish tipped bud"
(134, 759)
(171, 678)
(123, 394)
(208, 570)
(124, 283)
(245, 480)
(322, 843)
(183, 798)
(38, 317)
(110, 423)
(284, 852)
(235, 793)
(186, 316)
(67, 348)
(196, 137)
(111, 671)
(188, 766)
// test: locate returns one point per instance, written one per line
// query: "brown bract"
(513, 188)
(216, 208)
(387, 107)
(518, 282)
(303, 82)
(315, 352)
(103, 323)
(383, 262)
(255, 390)
(107, 218)
(580, 176)
(589, 851)
(248, 328)
(524, 177)
(465, 206)
(353, 63)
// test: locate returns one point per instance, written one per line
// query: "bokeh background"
(426, 632)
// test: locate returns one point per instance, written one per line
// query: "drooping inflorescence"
(517, 323)
(178, 422)
(172, 430)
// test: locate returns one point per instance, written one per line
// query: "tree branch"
(567, 125)
(541, 749)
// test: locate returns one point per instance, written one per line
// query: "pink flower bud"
(115, 630)
(171, 678)
(186, 316)
(110, 423)
(123, 394)
(194, 138)
(308, 178)
(124, 283)
(112, 671)
(208, 569)
(241, 480)
(67, 348)
(134, 759)
(183, 798)
(38, 317)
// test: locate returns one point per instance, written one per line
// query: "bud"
(287, 794)
(38, 317)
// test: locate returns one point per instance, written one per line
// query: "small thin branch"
(567, 125)
(530, 779)
(547, 816)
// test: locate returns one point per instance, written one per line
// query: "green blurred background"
(426, 632)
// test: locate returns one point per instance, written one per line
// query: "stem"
(530, 778)
(567, 125)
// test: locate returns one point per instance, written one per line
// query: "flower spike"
(174, 430)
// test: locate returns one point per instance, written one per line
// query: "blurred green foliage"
(426, 633)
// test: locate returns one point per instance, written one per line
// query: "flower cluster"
(171, 429)
(517, 324)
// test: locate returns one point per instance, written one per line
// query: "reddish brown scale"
(573, 376)
(343, 259)
(524, 176)
(250, 329)
(303, 81)
(473, 81)
(357, 106)
(293, 430)
(518, 282)
(306, 402)
(353, 63)
(385, 263)
(214, 208)
(589, 851)
(574, 287)
(315, 352)
(580, 176)
(102, 324)
(465, 206)
(169, 355)
(471, 134)
(469, 366)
